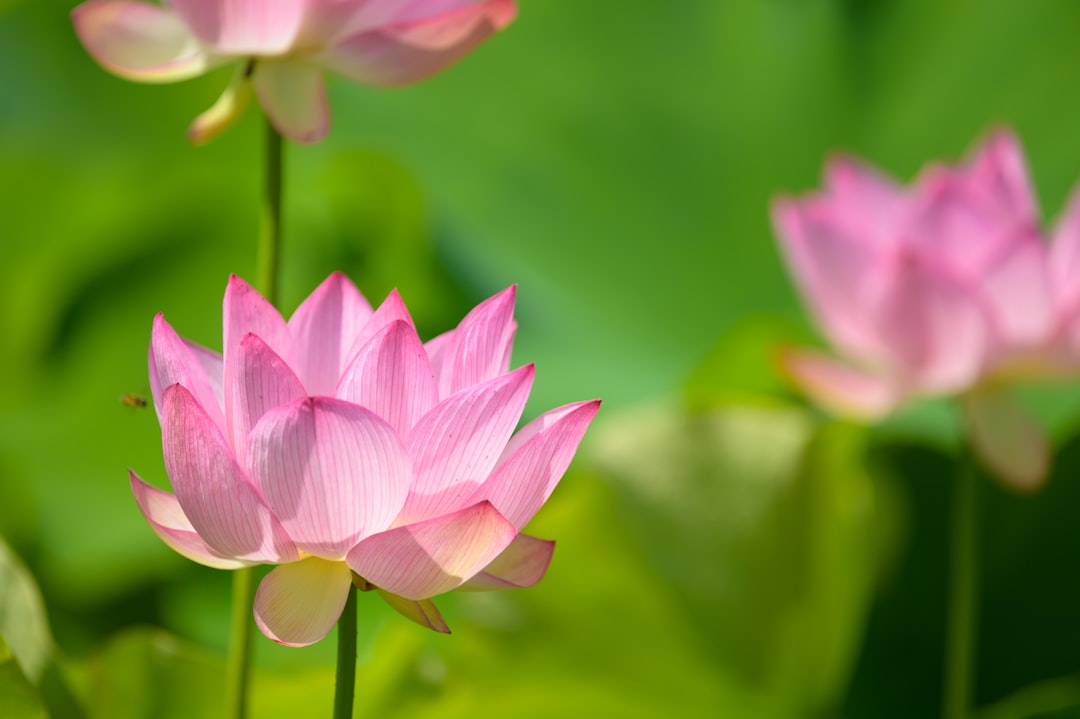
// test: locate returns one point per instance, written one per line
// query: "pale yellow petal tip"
(1022, 474)
(1007, 441)
(423, 611)
(222, 114)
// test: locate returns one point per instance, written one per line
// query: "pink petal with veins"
(477, 350)
(164, 515)
(421, 560)
(333, 472)
(224, 508)
(522, 564)
(392, 377)
(173, 360)
(324, 328)
(455, 446)
(539, 457)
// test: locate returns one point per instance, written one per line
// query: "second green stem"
(963, 593)
(345, 679)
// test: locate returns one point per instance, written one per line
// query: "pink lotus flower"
(944, 288)
(343, 449)
(283, 48)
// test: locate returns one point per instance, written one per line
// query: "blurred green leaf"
(1054, 699)
(18, 698)
(767, 525)
(741, 366)
(23, 623)
(148, 674)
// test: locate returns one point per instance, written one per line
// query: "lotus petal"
(324, 327)
(478, 350)
(165, 516)
(332, 471)
(422, 611)
(392, 377)
(140, 41)
(408, 52)
(455, 446)
(223, 507)
(838, 386)
(537, 459)
(175, 361)
(421, 560)
(1008, 441)
(520, 565)
(244, 27)
(293, 94)
(298, 604)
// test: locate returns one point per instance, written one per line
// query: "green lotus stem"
(963, 593)
(268, 255)
(236, 678)
(269, 251)
(345, 678)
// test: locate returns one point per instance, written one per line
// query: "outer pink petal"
(955, 222)
(244, 27)
(838, 386)
(478, 350)
(324, 327)
(392, 377)
(221, 504)
(836, 270)
(213, 364)
(1065, 254)
(140, 41)
(523, 482)
(420, 560)
(999, 170)
(865, 201)
(409, 52)
(391, 310)
(167, 519)
(937, 327)
(455, 446)
(522, 564)
(332, 19)
(338, 18)
(1009, 442)
(263, 381)
(332, 471)
(173, 360)
(293, 94)
(298, 604)
(1019, 289)
(246, 312)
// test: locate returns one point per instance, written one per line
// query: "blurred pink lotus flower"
(343, 449)
(283, 48)
(944, 288)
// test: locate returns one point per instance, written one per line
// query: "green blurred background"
(723, 549)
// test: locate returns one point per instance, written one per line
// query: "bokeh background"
(724, 550)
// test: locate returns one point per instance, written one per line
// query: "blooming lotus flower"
(340, 447)
(944, 288)
(283, 47)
